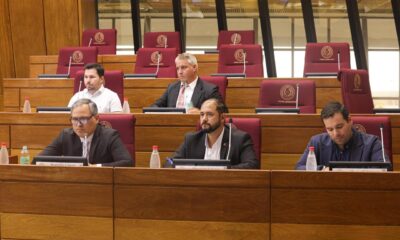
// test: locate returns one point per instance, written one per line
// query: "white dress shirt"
(214, 152)
(105, 99)
(189, 92)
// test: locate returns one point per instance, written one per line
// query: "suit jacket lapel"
(197, 93)
(224, 144)
(175, 93)
(95, 142)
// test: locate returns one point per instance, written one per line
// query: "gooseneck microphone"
(230, 139)
(382, 143)
(90, 42)
(80, 83)
(69, 65)
(297, 94)
(234, 39)
(338, 59)
(166, 41)
(158, 62)
(244, 61)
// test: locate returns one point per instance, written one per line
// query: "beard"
(208, 128)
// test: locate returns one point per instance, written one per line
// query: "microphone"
(297, 94)
(244, 61)
(338, 59)
(158, 62)
(85, 152)
(90, 42)
(234, 39)
(230, 139)
(69, 65)
(80, 83)
(382, 143)
(166, 40)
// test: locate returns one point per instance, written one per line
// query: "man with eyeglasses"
(212, 142)
(102, 146)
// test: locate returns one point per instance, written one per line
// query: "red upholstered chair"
(282, 93)
(78, 56)
(371, 125)
(220, 81)
(231, 59)
(235, 37)
(322, 58)
(356, 91)
(125, 125)
(163, 40)
(146, 61)
(104, 39)
(114, 80)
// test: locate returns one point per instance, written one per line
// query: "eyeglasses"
(77, 121)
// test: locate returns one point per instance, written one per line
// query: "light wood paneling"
(50, 227)
(61, 21)
(87, 16)
(331, 231)
(194, 230)
(28, 34)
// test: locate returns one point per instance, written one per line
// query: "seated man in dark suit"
(102, 146)
(189, 91)
(212, 142)
(341, 142)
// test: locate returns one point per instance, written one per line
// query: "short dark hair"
(334, 107)
(220, 105)
(98, 67)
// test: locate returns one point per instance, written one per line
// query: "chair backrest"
(220, 81)
(104, 39)
(114, 80)
(231, 59)
(235, 37)
(356, 91)
(163, 40)
(146, 61)
(371, 125)
(80, 56)
(282, 93)
(323, 57)
(125, 125)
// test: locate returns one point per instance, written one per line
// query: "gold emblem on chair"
(287, 92)
(236, 38)
(162, 41)
(357, 82)
(156, 58)
(327, 52)
(99, 38)
(106, 124)
(239, 56)
(359, 128)
(77, 56)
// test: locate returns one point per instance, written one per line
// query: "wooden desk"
(132, 203)
(283, 137)
(56, 203)
(332, 205)
(48, 64)
(241, 97)
(175, 204)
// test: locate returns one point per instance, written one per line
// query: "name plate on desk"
(60, 161)
(341, 166)
(59, 164)
(200, 164)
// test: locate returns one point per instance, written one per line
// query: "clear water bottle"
(125, 106)
(311, 164)
(4, 154)
(188, 106)
(25, 158)
(27, 105)
(155, 158)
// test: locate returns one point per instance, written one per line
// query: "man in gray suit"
(189, 91)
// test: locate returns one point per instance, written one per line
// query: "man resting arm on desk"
(212, 142)
(102, 146)
(341, 142)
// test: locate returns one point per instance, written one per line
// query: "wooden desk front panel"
(242, 95)
(56, 203)
(283, 137)
(176, 204)
(327, 205)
